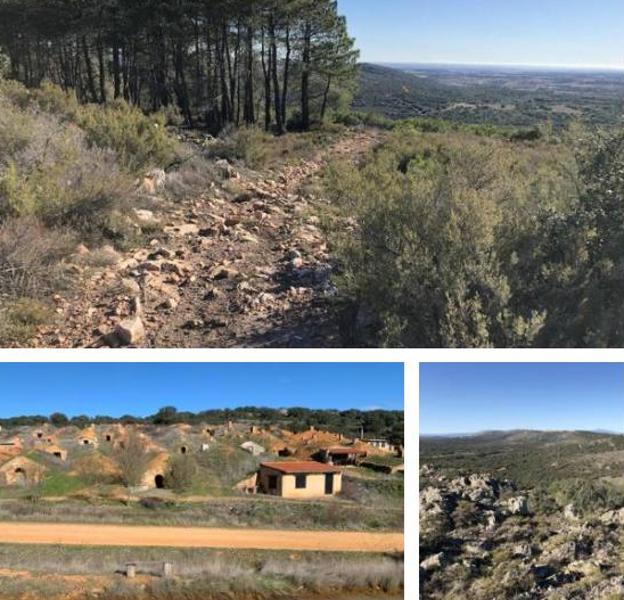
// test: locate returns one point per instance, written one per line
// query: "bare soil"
(184, 537)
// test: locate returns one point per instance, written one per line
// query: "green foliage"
(428, 212)
(66, 175)
(181, 473)
(4, 65)
(376, 423)
(138, 141)
(462, 239)
(20, 318)
(258, 149)
(287, 54)
(587, 496)
(61, 484)
(474, 96)
(59, 419)
(370, 119)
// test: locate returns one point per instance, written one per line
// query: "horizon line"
(512, 429)
(512, 65)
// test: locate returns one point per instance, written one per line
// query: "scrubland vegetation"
(467, 239)
(67, 177)
(473, 224)
(522, 515)
(558, 468)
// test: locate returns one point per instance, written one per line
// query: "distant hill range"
(390, 92)
(525, 435)
(518, 97)
(528, 457)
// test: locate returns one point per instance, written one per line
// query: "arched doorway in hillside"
(183, 449)
(159, 481)
(20, 477)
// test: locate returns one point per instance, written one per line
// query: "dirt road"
(184, 537)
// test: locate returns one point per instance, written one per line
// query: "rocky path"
(252, 270)
(198, 537)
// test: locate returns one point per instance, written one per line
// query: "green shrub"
(61, 484)
(586, 496)
(370, 119)
(139, 141)
(435, 219)
(181, 473)
(20, 318)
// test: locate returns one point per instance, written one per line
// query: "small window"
(272, 482)
(300, 482)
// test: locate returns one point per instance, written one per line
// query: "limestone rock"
(130, 331)
(518, 505)
(433, 563)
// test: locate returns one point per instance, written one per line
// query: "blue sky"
(528, 32)
(142, 388)
(467, 397)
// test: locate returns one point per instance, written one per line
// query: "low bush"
(181, 473)
(30, 258)
(455, 239)
(67, 175)
(137, 140)
(370, 119)
(587, 497)
(258, 149)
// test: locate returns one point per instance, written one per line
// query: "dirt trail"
(250, 270)
(184, 537)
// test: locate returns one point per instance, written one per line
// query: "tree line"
(278, 63)
(353, 422)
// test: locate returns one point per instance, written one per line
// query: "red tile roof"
(303, 466)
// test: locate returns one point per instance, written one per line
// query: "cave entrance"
(20, 477)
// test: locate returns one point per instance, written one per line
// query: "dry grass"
(221, 512)
(209, 574)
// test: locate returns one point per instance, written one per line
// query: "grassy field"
(199, 573)
(387, 514)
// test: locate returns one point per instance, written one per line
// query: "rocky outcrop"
(482, 539)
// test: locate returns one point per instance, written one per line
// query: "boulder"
(144, 215)
(154, 181)
(433, 563)
(223, 272)
(130, 332)
(570, 512)
(430, 495)
(613, 517)
(522, 550)
(225, 169)
(518, 506)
